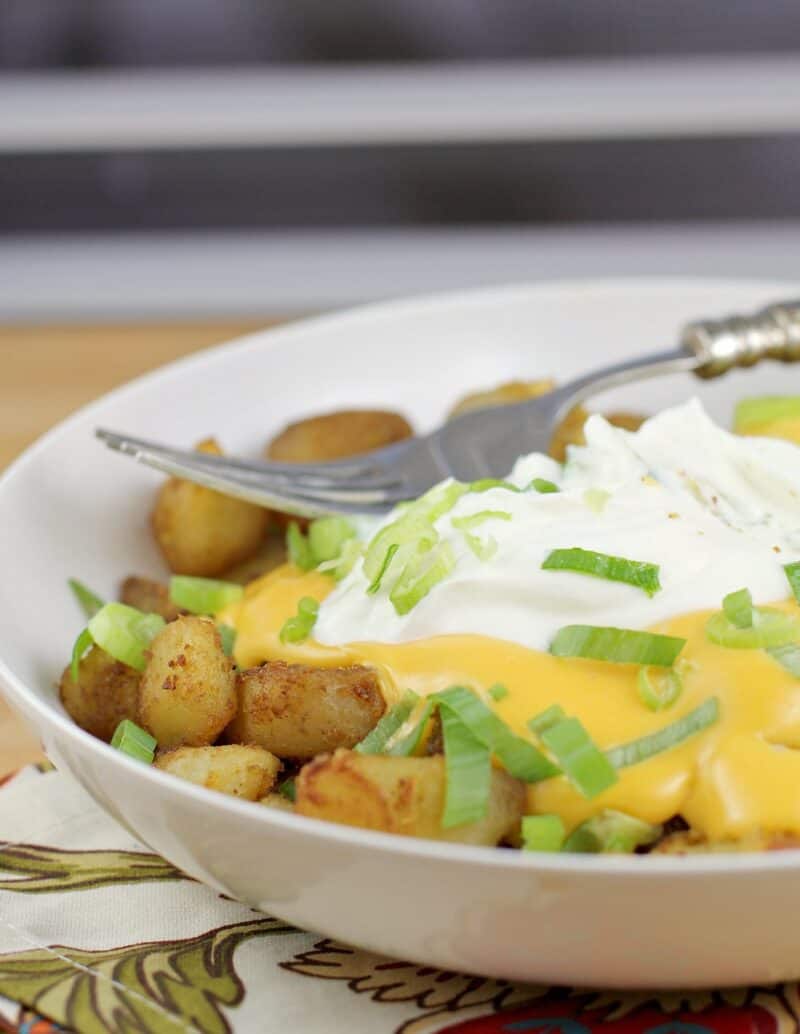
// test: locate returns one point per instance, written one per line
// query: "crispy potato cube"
(149, 596)
(502, 395)
(106, 692)
(278, 801)
(401, 795)
(188, 690)
(627, 421)
(297, 711)
(248, 772)
(269, 555)
(201, 532)
(332, 436)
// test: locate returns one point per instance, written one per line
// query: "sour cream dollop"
(716, 512)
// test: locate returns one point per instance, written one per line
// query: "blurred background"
(230, 158)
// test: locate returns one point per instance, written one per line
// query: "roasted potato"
(106, 692)
(277, 800)
(148, 595)
(401, 795)
(201, 532)
(502, 395)
(248, 772)
(690, 841)
(188, 690)
(297, 711)
(269, 555)
(333, 436)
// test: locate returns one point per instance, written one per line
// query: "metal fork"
(482, 443)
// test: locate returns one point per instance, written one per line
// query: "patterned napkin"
(99, 936)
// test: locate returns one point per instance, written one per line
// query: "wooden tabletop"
(47, 372)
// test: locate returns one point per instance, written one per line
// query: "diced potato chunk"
(333, 436)
(248, 772)
(502, 395)
(149, 596)
(277, 801)
(106, 692)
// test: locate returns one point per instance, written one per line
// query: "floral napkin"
(97, 935)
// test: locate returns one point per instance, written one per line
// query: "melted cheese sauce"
(740, 776)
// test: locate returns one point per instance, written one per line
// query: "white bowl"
(69, 507)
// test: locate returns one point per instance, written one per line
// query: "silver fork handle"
(740, 341)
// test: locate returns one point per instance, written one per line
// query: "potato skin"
(332, 436)
(149, 596)
(247, 772)
(187, 694)
(503, 395)
(106, 692)
(401, 795)
(297, 711)
(201, 532)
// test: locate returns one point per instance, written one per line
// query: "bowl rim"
(752, 863)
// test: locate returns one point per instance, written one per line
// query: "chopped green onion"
(483, 550)
(659, 690)
(551, 715)
(298, 549)
(738, 608)
(793, 576)
(345, 562)
(420, 575)
(202, 595)
(298, 628)
(544, 487)
(766, 409)
(670, 736)
(484, 484)
(131, 739)
(582, 761)
(327, 537)
(125, 633)
(468, 771)
(770, 628)
(637, 573)
(788, 657)
(375, 584)
(89, 601)
(227, 637)
(288, 789)
(498, 691)
(81, 645)
(408, 745)
(623, 645)
(596, 499)
(611, 832)
(375, 741)
(542, 833)
(474, 520)
(520, 758)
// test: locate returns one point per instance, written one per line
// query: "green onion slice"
(637, 573)
(342, 565)
(203, 595)
(89, 601)
(375, 584)
(622, 645)
(788, 657)
(582, 761)
(498, 691)
(659, 690)
(298, 628)
(468, 770)
(520, 758)
(298, 549)
(227, 637)
(288, 789)
(81, 645)
(484, 484)
(611, 832)
(125, 633)
(769, 628)
(483, 550)
(793, 577)
(542, 833)
(596, 499)
(131, 739)
(765, 409)
(670, 736)
(408, 745)
(543, 486)
(474, 520)
(551, 715)
(738, 608)
(327, 536)
(420, 574)
(375, 741)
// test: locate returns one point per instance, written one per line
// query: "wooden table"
(48, 371)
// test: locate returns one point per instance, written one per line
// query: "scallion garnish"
(227, 637)
(769, 628)
(483, 550)
(611, 832)
(134, 741)
(498, 692)
(638, 573)
(408, 745)
(468, 772)
(327, 536)
(543, 486)
(419, 576)
(596, 499)
(582, 761)
(520, 758)
(79, 648)
(298, 628)
(793, 577)
(125, 633)
(288, 789)
(738, 608)
(298, 549)
(344, 563)
(89, 601)
(551, 715)
(788, 657)
(474, 520)
(203, 595)
(375, 584)
(622, 645)
(659, 690)
(542, 833)
(670, 736)
(375, 741)
(484, 484)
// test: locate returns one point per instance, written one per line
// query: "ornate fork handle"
(738, 341)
